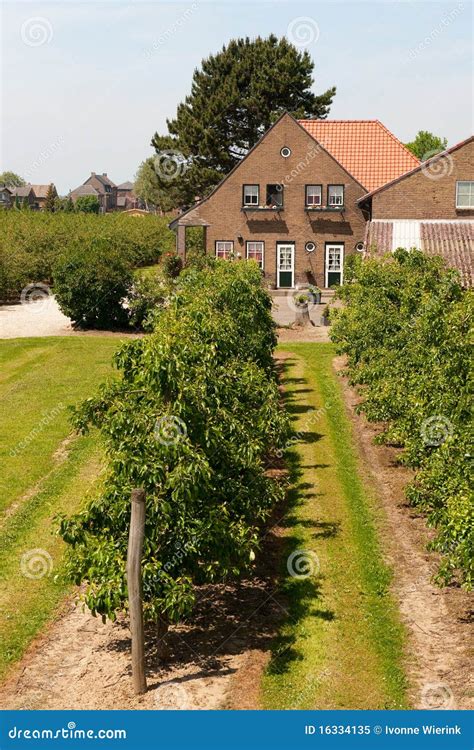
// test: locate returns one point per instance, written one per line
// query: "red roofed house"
(431, 207)
(292, 203)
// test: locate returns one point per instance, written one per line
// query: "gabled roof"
(22, 192)
(8, 189)
(101, 178)
(41, 191)
(365, 148)
(84, 190)
(299, 123)
(418, 168)
(125, 185)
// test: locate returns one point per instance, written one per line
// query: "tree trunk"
(302, 316)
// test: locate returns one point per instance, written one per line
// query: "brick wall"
(429, 193)
(308, 164)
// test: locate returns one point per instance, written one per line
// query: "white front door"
(334, 264)
(285, 265)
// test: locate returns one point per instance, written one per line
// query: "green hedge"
(31, 243)
(406, 330)
(192, 419)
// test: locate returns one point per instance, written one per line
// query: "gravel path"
(41, 318)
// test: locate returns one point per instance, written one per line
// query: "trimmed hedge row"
(192, 418)
(32, 243)
(405, 329)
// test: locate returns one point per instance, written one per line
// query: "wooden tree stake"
(135, 591)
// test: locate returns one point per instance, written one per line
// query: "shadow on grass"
(298, 596)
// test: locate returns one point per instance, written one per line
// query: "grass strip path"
(46, 469)
(341, 644)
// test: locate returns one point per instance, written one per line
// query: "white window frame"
(339, 195)
(470, 193)
(228, 251)
(247, 250)
(333, 246)
(252, 203)
(291, 245)
(307, 195)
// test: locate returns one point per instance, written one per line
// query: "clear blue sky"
(86, 84)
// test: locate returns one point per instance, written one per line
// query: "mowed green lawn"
(341, 643)
(45, 469)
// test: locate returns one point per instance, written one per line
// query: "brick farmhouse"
(302, 199)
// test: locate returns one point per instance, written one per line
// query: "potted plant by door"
(314, 294)
(325, 316)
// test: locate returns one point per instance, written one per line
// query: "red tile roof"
(365, 148)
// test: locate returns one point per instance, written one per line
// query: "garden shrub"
(191, 419)
(91, 283)
(405, 329)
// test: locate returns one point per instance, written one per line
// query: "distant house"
(41, 192)
(431, 207)
(126, 198)
(5, 196)
(24, 195)
(102, 187)
(34, 195)
(84, 190)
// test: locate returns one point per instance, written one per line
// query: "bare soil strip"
(439, 620)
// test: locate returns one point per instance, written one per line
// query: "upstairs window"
(465, 194)
(335, 195)
(250, 195)
(255, 252)
(274, 196)
(313, 195)
(224, 249)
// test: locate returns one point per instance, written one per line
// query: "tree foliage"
(426, 144)
(11, 179)
(88, 204)
(50, 201)
(405, 329)
(235, 97)
(191, 419)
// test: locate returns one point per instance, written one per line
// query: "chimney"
(104, 174)
(92, 174)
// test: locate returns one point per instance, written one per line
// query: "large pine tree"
(235, 97)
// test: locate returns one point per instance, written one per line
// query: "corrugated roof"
(365, 148)
(452, 240)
